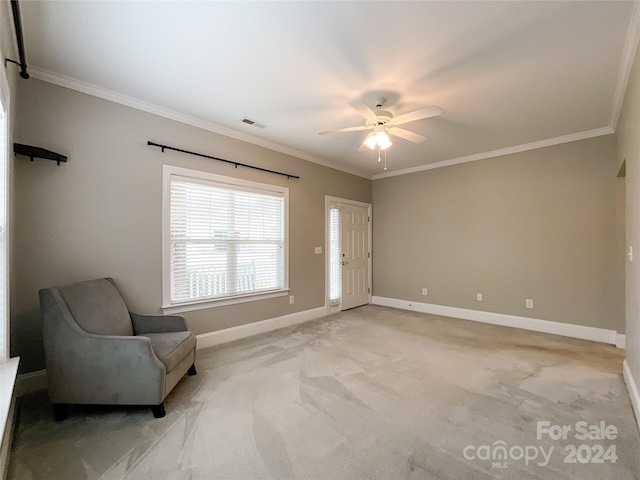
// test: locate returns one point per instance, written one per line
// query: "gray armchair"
(97, 352)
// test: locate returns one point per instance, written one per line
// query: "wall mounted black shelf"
(37, 152)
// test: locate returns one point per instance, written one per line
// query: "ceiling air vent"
(253, 123)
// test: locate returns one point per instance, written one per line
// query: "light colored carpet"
(371, 393)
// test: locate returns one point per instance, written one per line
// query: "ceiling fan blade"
(432, 111)
(407, 135)
(363, 110)
(342, 130)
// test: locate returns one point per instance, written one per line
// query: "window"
(225, 239)
(335, 260)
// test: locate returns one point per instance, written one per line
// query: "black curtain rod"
(18, 24)
(236, 164)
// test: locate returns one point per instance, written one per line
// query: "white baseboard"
(632, 388)
(218, 337)
(565, 329)
(621, 341)
(31, 382)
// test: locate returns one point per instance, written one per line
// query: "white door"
(355, 256)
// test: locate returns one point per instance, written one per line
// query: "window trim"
(5, 98)
(168, 171)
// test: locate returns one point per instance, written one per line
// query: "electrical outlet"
(528, 303)
(479, 297)
(291, 300)
(424, 291)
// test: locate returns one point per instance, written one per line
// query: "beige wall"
(538, 224)
(628, 132)
(100, 214)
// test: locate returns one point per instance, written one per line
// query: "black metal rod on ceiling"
(236, 164)
(17, 21)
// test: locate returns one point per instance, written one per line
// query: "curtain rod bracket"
(23, 68)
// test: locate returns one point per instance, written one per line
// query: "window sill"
(188, 307)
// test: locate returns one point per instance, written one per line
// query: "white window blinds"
(335, 260)
(225, 240)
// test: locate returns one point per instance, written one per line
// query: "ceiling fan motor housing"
(383, 117)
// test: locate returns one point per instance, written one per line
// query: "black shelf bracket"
(37, 152)
(236, 164)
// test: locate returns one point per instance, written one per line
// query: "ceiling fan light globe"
(370, 141)
(382, 136)
(383, 140)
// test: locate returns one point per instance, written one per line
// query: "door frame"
(328, 202)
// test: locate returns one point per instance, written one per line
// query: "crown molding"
(503, 151)
(628, 56)
(137, 104)
(110, 95)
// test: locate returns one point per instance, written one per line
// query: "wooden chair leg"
(60, 411)
(158, 410)
(192, 370)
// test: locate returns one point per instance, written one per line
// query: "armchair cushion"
(171, 348)
(98, 308)
(143, 324)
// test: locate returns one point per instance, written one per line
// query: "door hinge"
(368, 219)
(368, 254)
(369, 290)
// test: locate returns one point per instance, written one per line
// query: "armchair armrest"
(108, 370)
(87, 368)
(157, 323)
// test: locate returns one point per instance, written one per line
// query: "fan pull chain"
(378, 153)
(385, 160)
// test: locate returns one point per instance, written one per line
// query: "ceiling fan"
(383, 124)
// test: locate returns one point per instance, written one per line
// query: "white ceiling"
(504, 73)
